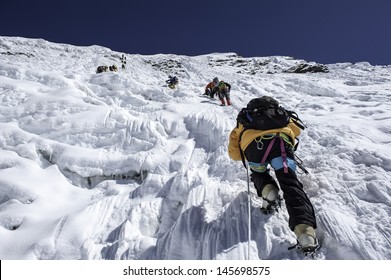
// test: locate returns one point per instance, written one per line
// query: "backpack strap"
(240, 149)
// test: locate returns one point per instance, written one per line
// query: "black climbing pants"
(298, 205)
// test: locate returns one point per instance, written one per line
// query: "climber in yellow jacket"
(266, 135)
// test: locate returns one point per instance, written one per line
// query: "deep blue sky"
(324, 31)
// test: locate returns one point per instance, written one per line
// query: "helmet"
(216, 80)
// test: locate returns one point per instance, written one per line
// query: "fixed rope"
(249, 212)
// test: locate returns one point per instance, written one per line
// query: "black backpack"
(265, 113)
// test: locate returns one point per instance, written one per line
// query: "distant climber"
(212, 88)
(123, 62)
(223, 91)
(172, 82)
(113, 68)
(101, 69)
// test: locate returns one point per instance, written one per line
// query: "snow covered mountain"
(118, 166)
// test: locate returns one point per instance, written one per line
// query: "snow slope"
(118, 166)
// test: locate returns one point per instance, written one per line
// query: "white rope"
(249, 212)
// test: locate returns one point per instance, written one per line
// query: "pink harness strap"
(283, 152)
(268, 150)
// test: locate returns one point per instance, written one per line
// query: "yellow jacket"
(291, 130)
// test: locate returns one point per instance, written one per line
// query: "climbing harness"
(283, 138)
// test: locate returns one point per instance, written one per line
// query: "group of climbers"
(221, 89)
(112, 68)
(217, 88)
(104, 68)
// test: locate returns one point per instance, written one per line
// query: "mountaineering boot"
(270, 199)
(306, 238)
(222, 102)
(228, 102)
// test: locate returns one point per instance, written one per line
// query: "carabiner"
(259, 143)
